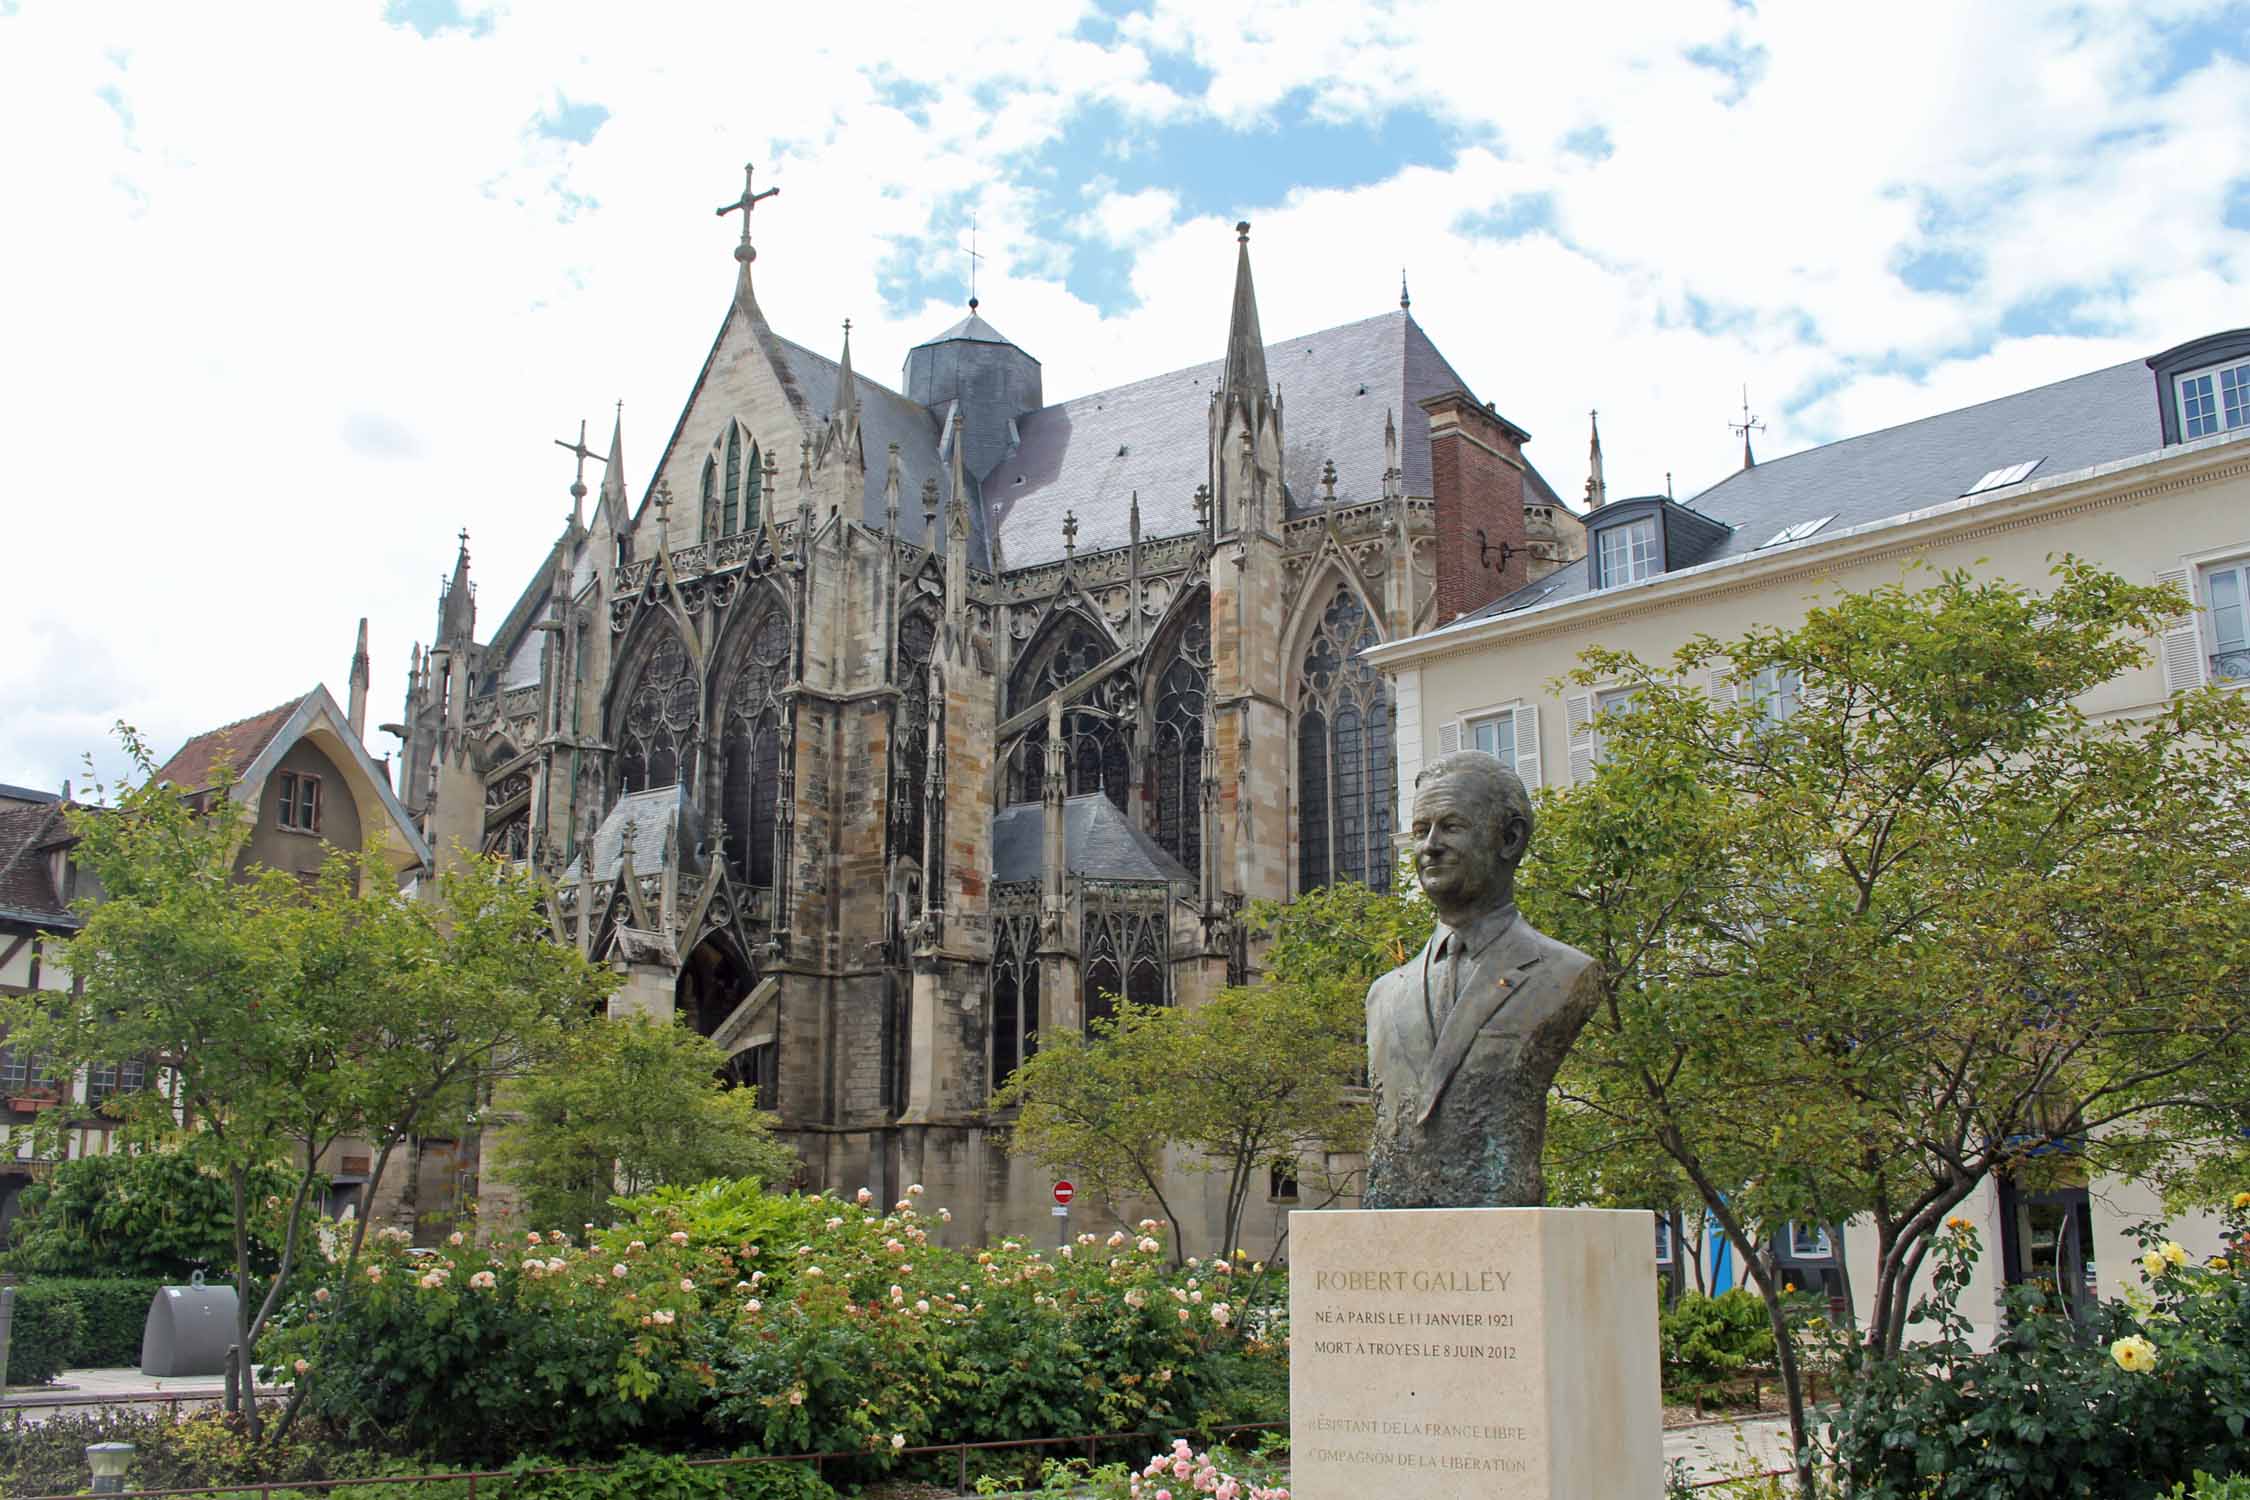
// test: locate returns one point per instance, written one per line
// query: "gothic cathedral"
(890, 730)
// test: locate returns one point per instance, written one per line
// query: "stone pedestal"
(1500, 1353)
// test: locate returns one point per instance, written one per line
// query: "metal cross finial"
(464, 539)
(748, 201)
(973, 259)
(1746, 426)
(1070, 533)
(578, 485)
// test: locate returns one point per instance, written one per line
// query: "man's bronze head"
(1472, 823)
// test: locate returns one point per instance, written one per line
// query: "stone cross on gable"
(1070, 533)
(748, 201)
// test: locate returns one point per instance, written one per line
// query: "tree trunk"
(238, 1181)
(1785, 1365)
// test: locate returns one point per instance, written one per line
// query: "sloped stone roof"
(1098, 843)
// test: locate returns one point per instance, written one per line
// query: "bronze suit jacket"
(1461, 1088)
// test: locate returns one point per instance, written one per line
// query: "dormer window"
(1626, 553)
(2214, 400)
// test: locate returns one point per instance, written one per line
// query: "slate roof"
(1098, 843)
(238, 744)
(2077, 423)
(12, 793)
(27, 891)
(885, 417)
(650, 814)
(1335, 385)
(973, 328)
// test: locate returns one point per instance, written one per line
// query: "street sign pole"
(1064, 1192)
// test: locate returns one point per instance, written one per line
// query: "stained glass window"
(729, 513)
(1096, 754)
(750, 748)
(1346, 772)
(1126, 947)
(656, 739)
(1015, 993)
(1177, 765)
(910, 744)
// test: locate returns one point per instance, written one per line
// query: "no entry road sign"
(1064, 1192)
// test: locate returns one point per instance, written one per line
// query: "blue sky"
(324, 282)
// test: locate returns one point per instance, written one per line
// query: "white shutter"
(1527, 743)
(2181, 644)
(1578, 713)
(1726, 690)
(1449, 737)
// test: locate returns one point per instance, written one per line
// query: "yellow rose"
(2173, 1253)
(2242, 1200)
(2153, 1262)
(2134, 1354)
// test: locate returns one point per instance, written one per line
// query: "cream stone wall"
(2155, 515)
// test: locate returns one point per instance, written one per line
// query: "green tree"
(283, 1015)
(1259, 1076)
(144, 1215)
(1931, 926)
(630, 1105)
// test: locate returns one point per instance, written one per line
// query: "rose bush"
(2124, 1402)
(723, 1318)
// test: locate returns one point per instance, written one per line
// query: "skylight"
(1796, 533)
(2001, 478)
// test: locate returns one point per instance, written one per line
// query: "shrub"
(2118, 1403)
(151, 1215)
(2233, 1487)
(1707, 1341)
(48, 1326)
(116, 1314)
(785, 1324)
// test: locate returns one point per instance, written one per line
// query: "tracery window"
(1015, 993)
(1096, 754)
(1346, 771)
(1126, 948)
(656, 735)
(750, 728)
(910, 744)
(1176, 766)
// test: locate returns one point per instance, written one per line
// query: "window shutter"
(1578, 712)
(1726, 691)
(2181, 644)
(1449, 737)
(1527, 743)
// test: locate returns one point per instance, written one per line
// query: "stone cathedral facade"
(887, 730)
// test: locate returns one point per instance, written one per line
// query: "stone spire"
(613, 477)
(457, 612)
(1597, 488)
(1405, 303)
(847, 398)
(1246, 346)
(357, 712)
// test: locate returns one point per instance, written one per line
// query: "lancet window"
(1015, 992)
(1097, 755)
(910, 743)
(1125, 952)
(1346, 768)
(750, 729)
(1176, 766)
(656, 735)
(733, 490)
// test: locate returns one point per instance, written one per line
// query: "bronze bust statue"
(1463, 1041)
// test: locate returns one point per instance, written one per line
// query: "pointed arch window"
(1126, 950)
(1015, 993)
(1097, 750)
(733, 484)
(656, 731)
(910, 745)
(1346, 769)
(1177, 763)
(750, 729)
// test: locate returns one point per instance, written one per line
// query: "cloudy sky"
(290, 293)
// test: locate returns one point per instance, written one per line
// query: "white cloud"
(309, 291)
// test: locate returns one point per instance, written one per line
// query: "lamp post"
(109, 1461)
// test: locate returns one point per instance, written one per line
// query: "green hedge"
(116, 1314)
(48, 1325)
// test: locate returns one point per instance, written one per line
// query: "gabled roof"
(2089, 419)
(1089, 455)
(1098, 843)
(12, 793)
(27, 887)
(975, 330)
(646, 822)
(194, 764)
(254, 746)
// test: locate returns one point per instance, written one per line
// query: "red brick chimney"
(1476, 477)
